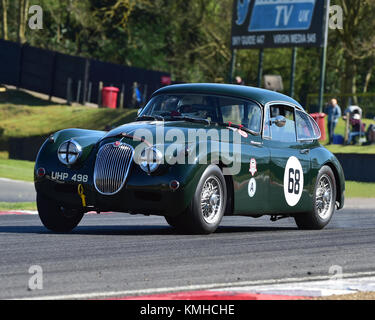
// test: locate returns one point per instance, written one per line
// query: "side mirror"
(139, 111)
(279, 121)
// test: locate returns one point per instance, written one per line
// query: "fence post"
(79, 91)
(53, 76)
(144, 98)
(89, 92)
(260, 67)
(122, 95)
(347, 127)
(86, 80)
(100, 94)
(69, 92)
(21, 67)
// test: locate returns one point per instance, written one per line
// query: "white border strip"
(109, 294)
(16, 181)
(18, 213)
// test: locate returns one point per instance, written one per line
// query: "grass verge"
(340, 129)
(14, 206)
(17, 169)
(360, 190)
(23, 115)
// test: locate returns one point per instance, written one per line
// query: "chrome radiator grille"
(112, 166)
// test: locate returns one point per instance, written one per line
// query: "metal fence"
(49, 72)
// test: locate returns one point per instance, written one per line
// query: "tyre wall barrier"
(358, 167)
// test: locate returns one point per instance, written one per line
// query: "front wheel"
(57, 218)
(207, 207)
(324, 201)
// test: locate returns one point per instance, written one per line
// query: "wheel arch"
(340, 190)
(229, 209)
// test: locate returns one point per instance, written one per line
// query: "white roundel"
(252, 189)
(293, 181)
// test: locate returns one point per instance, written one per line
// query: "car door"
(251, 183)
(290, 165)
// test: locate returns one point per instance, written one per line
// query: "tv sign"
(278, 23)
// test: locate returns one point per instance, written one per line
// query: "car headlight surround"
(150, 159)
(69, 152)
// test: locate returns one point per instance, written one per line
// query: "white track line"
(16, 181)
(18, 212)
(30, 212)
(232, 285)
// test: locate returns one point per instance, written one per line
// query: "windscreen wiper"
(189, 119)
(150, 118)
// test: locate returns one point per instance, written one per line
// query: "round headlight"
(69, 152)
(150, 160)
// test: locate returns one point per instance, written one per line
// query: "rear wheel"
(324, 202)
(206, 209)
(57, 218)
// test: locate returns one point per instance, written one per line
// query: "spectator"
(352, 110)
(239, 81)
(137, 95)
(334, 114)
(358, 127)
(370, 135)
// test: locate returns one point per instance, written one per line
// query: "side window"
(246, 113)
(288, 132)
(307, 129)
(267, 124)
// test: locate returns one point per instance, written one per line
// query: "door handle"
(305, 151)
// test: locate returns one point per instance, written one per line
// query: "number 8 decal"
(293, 181)
(297, 178)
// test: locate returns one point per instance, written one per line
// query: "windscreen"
(207, 107)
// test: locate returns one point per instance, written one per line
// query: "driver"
(186, 105)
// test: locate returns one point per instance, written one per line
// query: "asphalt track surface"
(121, 253)
(16, 191)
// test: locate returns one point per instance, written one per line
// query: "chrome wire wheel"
(212, 200)
(324, 197)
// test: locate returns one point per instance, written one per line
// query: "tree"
(23, 7)
(358, 40)
(5, 19)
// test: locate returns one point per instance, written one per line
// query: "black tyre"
(55, 217)
(207, 207)
(174, 222)
(324, 202)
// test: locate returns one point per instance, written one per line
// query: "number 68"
(294, 185)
